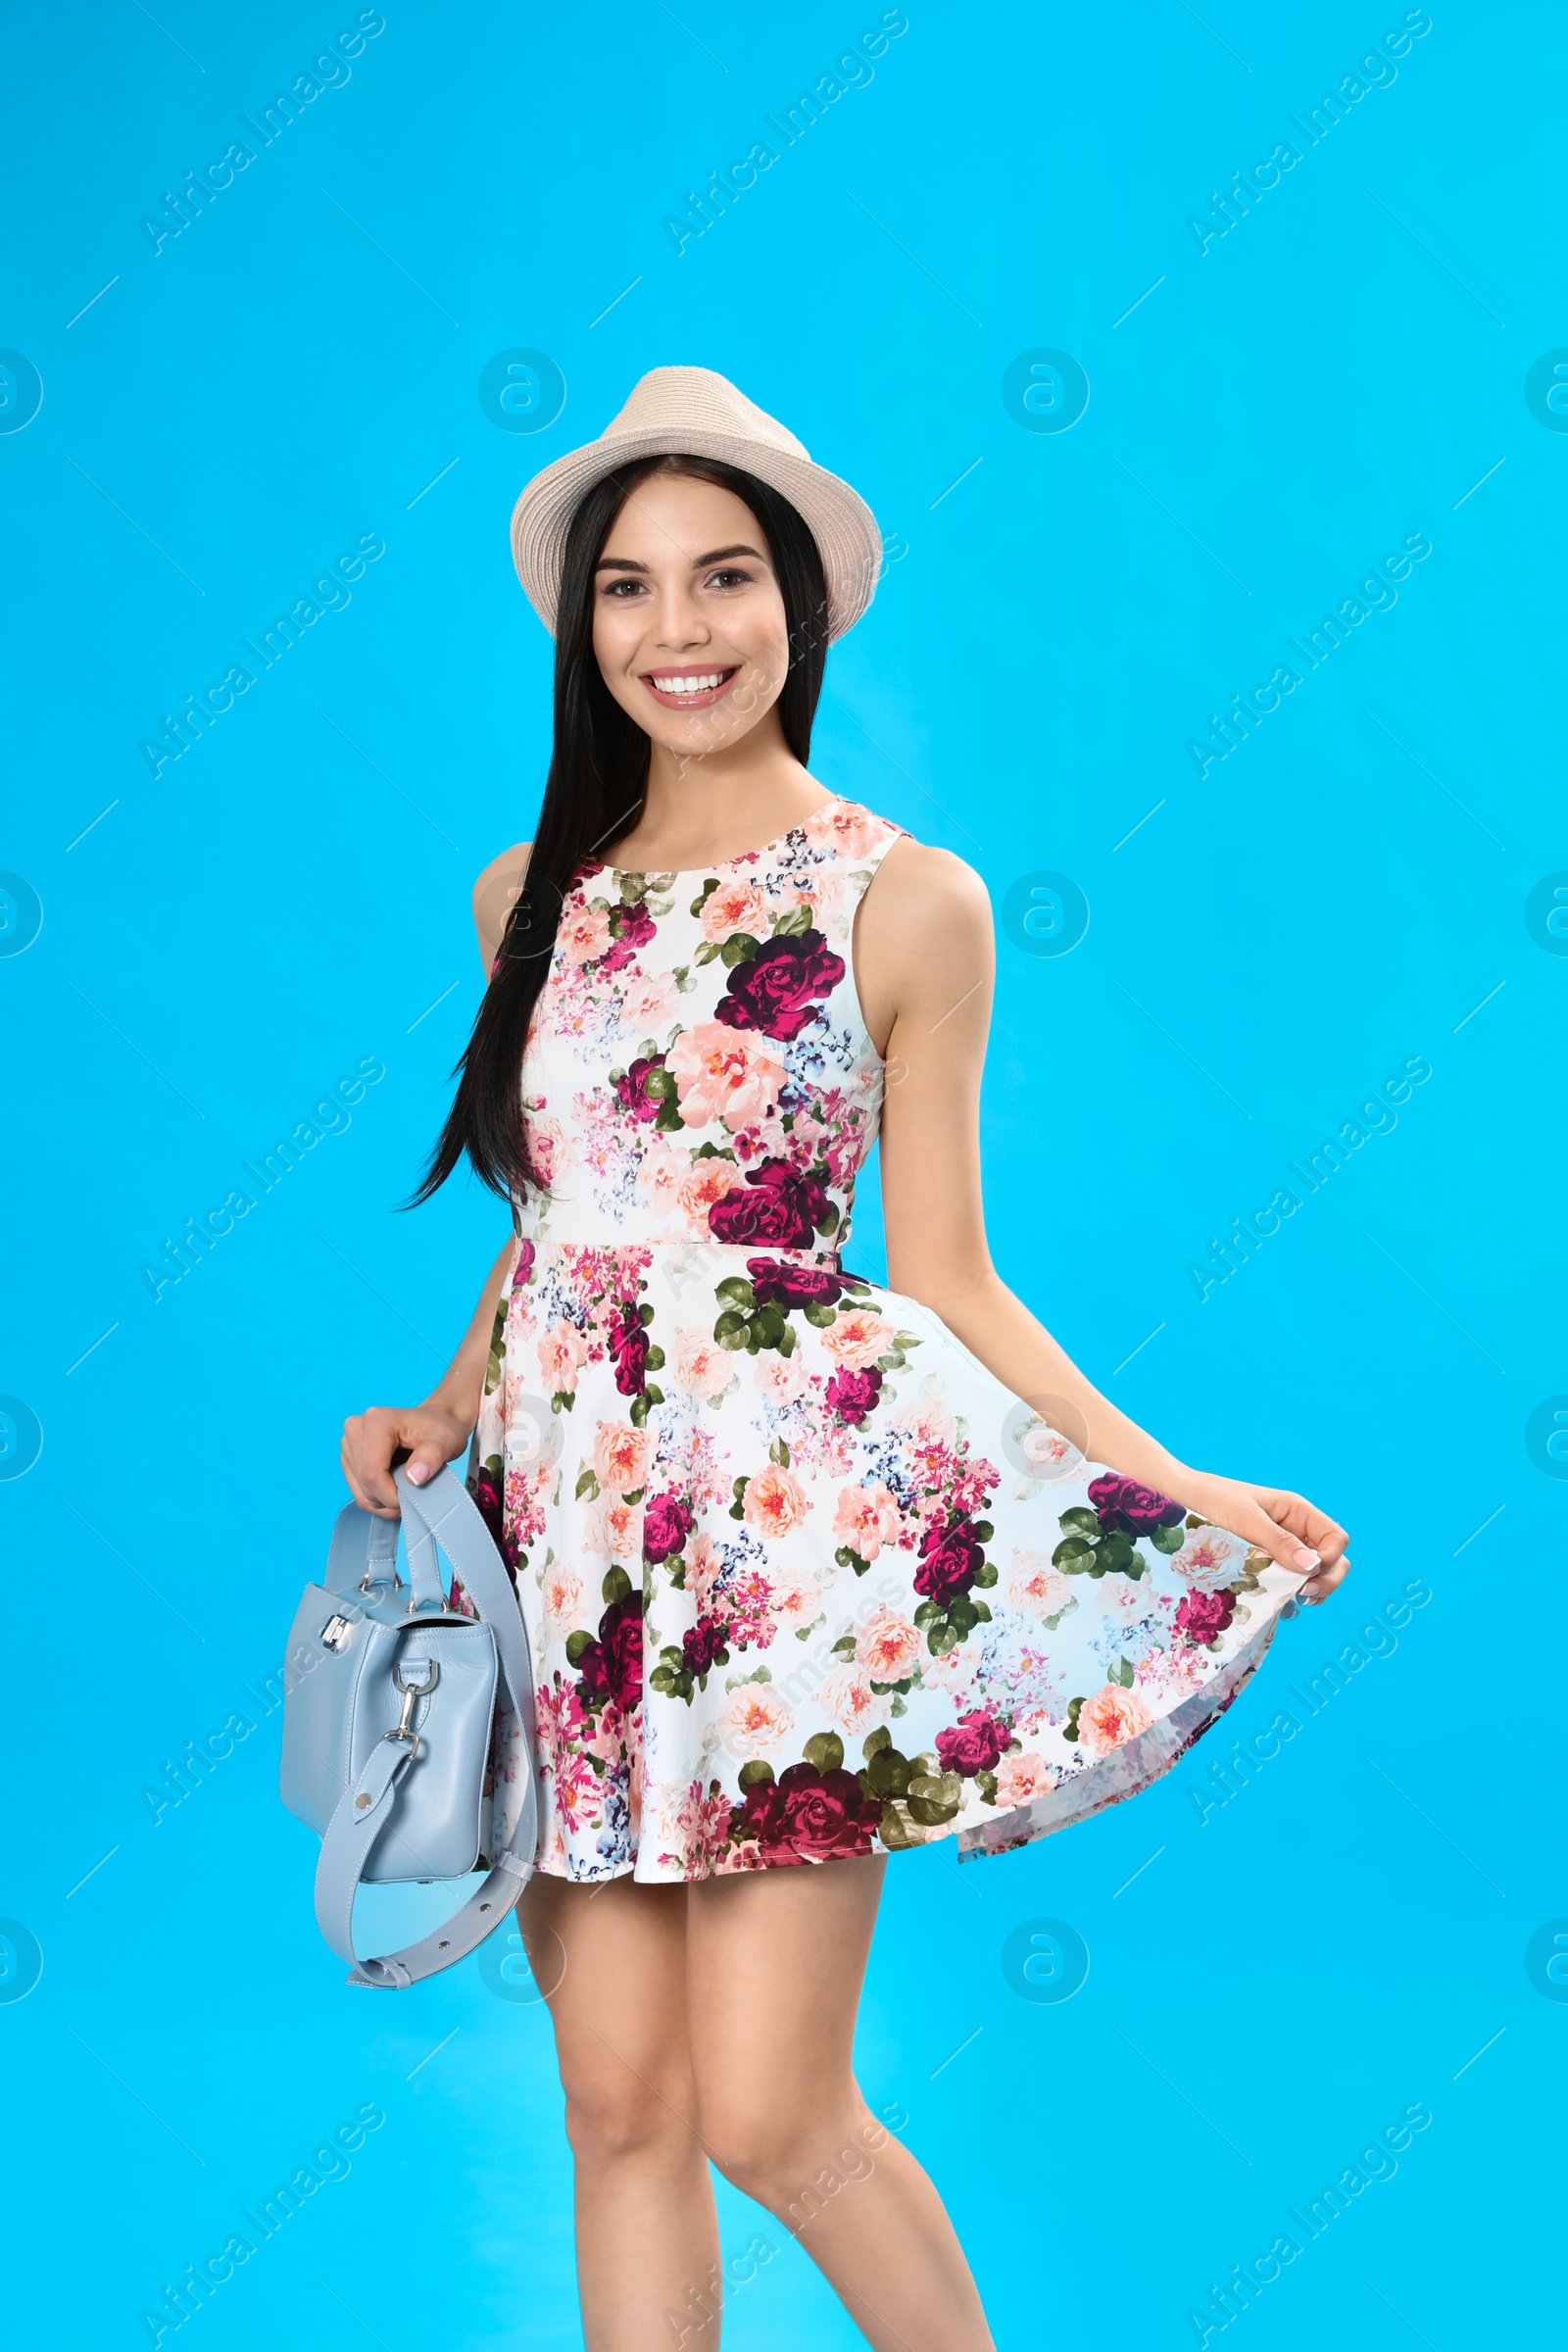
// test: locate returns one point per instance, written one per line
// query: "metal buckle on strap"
(404, 1727)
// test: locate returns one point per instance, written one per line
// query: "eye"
(728, 577)
(614, 588)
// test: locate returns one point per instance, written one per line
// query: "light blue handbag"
(389, 1701)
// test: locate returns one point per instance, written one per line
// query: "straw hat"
(694, 410)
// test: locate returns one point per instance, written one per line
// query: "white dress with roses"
(801, 1578)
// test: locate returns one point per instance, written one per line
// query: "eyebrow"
(715, 555)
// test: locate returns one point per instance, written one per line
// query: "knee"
(793, 2163)
(608, 2120)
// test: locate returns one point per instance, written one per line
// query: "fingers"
(348, 1455)
(370, 1441)
(1296, 1535)
(1282, 1544)
(1318, 1587)
(427, 1457)
(1317, 1532)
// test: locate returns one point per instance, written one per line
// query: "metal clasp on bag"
(335, 1632)
(404, 1728)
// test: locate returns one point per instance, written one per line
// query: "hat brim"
(838, 517)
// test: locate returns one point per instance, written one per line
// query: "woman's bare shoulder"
(931, 881)
(922, 933)
(495, 894)
(924, 900)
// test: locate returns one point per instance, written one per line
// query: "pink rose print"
(866, 1518)
(845, 827)
(701, 1367)
(583, 935)
(562, 1597)
(700, 1190)
(1020, 1779)
(721, 1076)
(651, 999)
(618, 1455)
(857, 1337)
(775, 1501)
(888, 1646)
(757, 1719)
(613, 1528)
(1207, 1557)
(562, 1349)
(1036, 1587)
(734, 906)
(847, 1699)
(1112, 1718)
(782, 1378)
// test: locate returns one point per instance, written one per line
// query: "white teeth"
(698, 685)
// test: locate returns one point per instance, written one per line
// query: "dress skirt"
(803, 1580)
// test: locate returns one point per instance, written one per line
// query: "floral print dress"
(801, 1578)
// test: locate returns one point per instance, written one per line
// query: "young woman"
(811, 1569)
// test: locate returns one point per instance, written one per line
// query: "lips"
(691, 689)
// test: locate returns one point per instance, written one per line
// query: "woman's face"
(689, 625)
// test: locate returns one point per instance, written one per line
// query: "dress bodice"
(698, 1067)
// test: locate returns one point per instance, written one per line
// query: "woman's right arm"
(434, 1432)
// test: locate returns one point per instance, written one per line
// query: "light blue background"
(1340, 369)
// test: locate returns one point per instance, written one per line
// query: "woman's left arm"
(924, 964)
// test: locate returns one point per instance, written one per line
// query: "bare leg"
(613, 1960)
(775, 1960)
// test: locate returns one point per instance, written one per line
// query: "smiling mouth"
(690, 688)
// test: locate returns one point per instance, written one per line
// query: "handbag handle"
(440, 1513)
(363, 1555)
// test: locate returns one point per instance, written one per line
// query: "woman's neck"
(704, 811)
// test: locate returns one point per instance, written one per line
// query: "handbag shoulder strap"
(441, 1512)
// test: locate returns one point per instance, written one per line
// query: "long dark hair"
(594, 794)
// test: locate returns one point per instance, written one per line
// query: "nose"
(679, 624)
